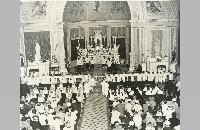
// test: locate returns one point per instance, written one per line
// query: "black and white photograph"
(99, 65)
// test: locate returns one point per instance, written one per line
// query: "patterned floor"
(95, 113)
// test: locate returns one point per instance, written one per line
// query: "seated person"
(87, 59)
(35, 124)
(25, 123)
(92, 63)
(115, 116)
(118, 126)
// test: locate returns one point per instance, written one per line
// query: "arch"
(77, 11)
(138, 10)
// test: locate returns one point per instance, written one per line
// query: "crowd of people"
(157, 77)
(54, 108)
(153, 104)
(144, 107)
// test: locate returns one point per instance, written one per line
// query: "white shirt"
(73, 115)
(41, 99)
(178, 85)
(50, 119)
(109, 63)
(57, 123)
(112, 97)
(115, 116)
(87, 59)
(139, 77)
(79, 62)
(54, 104)
(42, 119)
(128, 107)
(45, 91)
(137, 120)
(170, 76)
(177, 127)
(137, 107)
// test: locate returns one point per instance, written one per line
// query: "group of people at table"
(59, 107)
(145, 76)
(56, 108)
(143, 107)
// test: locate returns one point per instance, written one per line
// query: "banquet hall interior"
(100, 65)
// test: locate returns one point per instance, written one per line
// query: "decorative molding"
(150, 24)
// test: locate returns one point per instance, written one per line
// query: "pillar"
(68, 46)
(169, 50)
(127, 45)
(109, 36)
(22, 45)
(134, 48)
(141, 45)
(60, 42)
(86, 36)
(52, 34)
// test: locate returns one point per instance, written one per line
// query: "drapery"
(65, 45)
(157, 41)
(43, 39)
(74, 52)
(122, 47)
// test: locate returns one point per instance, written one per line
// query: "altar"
(98, 54)
(41, 68)
(38, 67)
(158, 64)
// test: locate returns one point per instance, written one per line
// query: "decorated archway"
(149, 21)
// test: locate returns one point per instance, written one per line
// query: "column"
(127, 45)
(22, 45)
(60, 42)
(141, 45)
(68, 46)
(86, 37)
(133, 53)
(109, 36)
(178, 45)
(52, 33)
(169, 45)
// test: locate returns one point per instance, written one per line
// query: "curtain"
(82, 43)
(122, 47)
(157, 37)
(43, 39)
(74, 52)
(65, 45)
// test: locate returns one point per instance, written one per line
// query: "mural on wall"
(33, 11)
(98, 10)
(154, 8)
(39, 9)
(161, 9)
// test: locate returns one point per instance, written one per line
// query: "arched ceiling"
(76, 11)
(57, 11)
